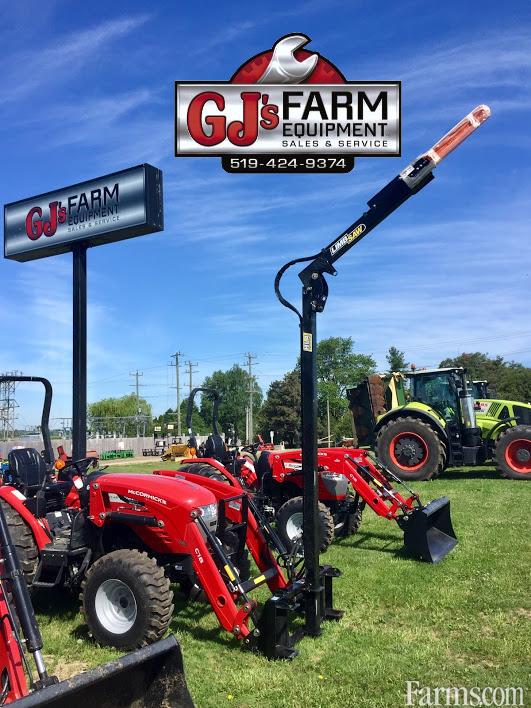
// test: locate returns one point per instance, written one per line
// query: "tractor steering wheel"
(78, 467)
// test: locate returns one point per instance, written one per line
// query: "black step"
(53, 561)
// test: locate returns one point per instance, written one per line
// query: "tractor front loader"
(120, 539)
(348, 480)
(147, 678)
(428, 532)
(436, 423)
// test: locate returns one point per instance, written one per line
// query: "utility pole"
(328, 419)
(249, 362)
(137, 374)
(178, 387)
(191, 371)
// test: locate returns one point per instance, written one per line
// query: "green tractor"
(435, 422)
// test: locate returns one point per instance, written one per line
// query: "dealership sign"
(103, 210)
(286, 102)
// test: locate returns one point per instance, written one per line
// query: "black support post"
(79, 377)
(309, 463)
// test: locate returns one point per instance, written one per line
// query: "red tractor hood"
(163, 492)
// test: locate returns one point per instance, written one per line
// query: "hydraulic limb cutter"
(314, 295)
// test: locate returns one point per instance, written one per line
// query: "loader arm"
(256, 528)
(366, 479)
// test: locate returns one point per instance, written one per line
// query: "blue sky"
(88, 89)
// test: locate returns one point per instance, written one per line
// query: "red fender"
(38, 527)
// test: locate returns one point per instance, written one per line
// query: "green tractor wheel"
(411, 449)
(513, 452)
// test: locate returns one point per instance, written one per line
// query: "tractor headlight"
(209, 512)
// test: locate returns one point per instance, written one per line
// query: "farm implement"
(149, 677)
(437, 423)
(120, 539)
(348, 481)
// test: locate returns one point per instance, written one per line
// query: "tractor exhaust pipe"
(428, 531)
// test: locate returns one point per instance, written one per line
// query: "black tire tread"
(327, 521)
(422, 427)
(23, 540)
(354, 521)
(499, 451)
(155, 582)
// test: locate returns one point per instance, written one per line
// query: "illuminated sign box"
(118, 206)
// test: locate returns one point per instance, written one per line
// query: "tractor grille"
(493, 409)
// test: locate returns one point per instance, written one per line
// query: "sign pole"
(79, 374)
(103, 210)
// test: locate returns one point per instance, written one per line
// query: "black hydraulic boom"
(314, 295)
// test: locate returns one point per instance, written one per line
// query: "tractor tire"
(203, 470)
(289, 523)
(23, 540)
(354, 521)
(411, 449)
(513, 452)
(126, 600)
(242, 562)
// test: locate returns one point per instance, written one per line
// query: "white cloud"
(28, 70)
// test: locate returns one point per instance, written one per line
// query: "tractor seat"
(30, 473)
(28, 469)
(263, 467)
(215, 447)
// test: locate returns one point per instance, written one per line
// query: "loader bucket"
(148, 678)
(428, 532)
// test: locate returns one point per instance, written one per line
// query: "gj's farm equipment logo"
(78, 212)
(287, 109)
(103, 210)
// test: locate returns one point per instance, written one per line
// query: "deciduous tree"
(233, 386)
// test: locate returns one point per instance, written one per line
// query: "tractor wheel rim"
(518, 456)
(408, 451)
(116, 606)
(294, 525)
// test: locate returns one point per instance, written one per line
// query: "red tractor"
(121, 539)
(153, 675)
(348, 480)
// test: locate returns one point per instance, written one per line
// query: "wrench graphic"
(284, 68)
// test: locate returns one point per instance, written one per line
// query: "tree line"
(339, 367)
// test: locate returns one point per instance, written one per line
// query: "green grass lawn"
(464, 622)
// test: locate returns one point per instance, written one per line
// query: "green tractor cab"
(424, 421)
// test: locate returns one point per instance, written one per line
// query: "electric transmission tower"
(192, 369)
(8, 406)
